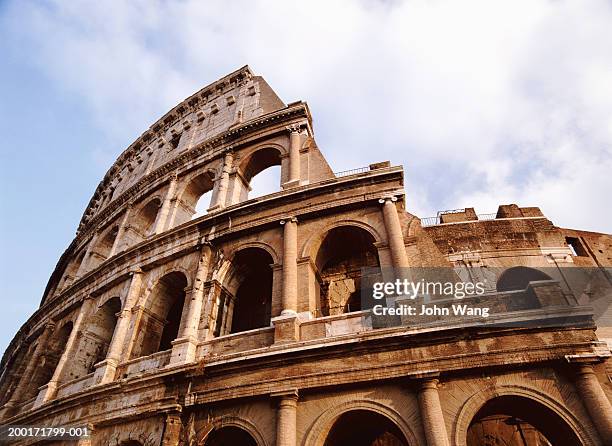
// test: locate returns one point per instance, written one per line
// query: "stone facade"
(242, 326)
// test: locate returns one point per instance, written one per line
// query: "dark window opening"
(576, 246)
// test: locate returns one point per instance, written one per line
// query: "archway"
(103, 247)
(518, 421)
(246, 299)
(96, 339)
(49, 359)
(344, 251)
(262, 173)
(162, 316)
(70, 273)
(364, 428)
(195, 199)
(144, 222)
(518, 278)
(229, 436)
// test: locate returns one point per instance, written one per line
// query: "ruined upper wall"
(232, 100)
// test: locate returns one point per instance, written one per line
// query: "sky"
(483, 102)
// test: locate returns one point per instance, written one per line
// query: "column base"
(8, 410)
(286, 328)
(290, 184)
(183, 351)
(105, 371)
(46, 393)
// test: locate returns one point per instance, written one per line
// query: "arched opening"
(144, 223)
(266, 182)
(230, 436)
(97, 338)
(103, 247)
(518, 278)
(195, 199)
(262, 173)
(162, 317)
(70, 274)
(518, 421)
(364, 428)
(246, 299)
(49, 359)
(14, 370)
(345, 250)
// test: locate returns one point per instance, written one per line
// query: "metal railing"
(344, 173)
(437, 220)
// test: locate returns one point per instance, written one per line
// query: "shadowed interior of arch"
(195, 199)
(518, 421)
(50, 359)
(245, 302)
(230, 436)
(345, 250)
(364, 428)
(96, 339)
(160, 322)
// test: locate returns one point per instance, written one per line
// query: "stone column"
(172, 429)
(287, 325)
(286, 418)
(105, 370)
(162, 217)
(184, 347)
(223, 182)
(595, 400)
(25, 379)
(431, 413)
(228, 315)
(394, 232)
(294, 157)
(49, 391)
(289, 295)
(121, 231)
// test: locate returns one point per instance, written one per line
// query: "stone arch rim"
(477, 400)
(155, 279)
(261, 245)
(233, 421)
(325, 421)
(315, 240)
(185, 181)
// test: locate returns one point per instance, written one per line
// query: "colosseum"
(246, 324)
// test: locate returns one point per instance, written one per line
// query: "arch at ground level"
(518, 421)
(229, 436)
(364, 428)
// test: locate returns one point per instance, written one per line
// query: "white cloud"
(484, 102)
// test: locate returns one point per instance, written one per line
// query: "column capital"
(135, 272)
(384, 199)
(287, 394)
(289, 219)
(293, 128)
